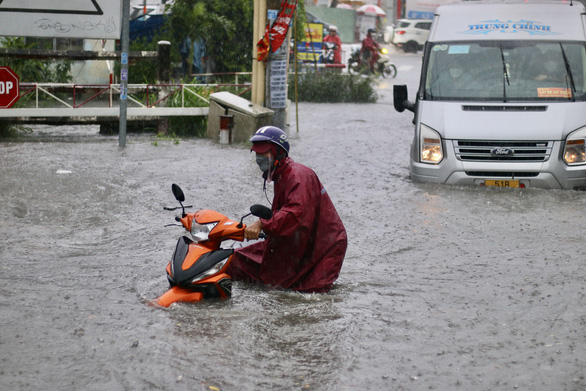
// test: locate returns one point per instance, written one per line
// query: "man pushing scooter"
(306, 240)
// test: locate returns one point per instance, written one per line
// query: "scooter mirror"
(261, 211)
(178, 193)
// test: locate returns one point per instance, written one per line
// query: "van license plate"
(501, 183)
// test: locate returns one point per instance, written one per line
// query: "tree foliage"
(225, 26)
(34, 70)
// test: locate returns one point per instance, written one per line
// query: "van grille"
(502, 174)
(503, 108)
(515, 151)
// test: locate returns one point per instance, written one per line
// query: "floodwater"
(442, 288)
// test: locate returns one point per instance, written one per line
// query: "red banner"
(275, 35)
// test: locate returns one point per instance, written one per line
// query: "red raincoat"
(306, 240)
(369, 45)
(338, 50)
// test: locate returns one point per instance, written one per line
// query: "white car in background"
(411, 34)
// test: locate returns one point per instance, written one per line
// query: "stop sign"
(9, 88)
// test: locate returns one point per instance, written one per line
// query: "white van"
(502, 96)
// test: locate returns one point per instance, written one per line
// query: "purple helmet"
(273, 135)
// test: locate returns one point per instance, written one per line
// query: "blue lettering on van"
(509, 27)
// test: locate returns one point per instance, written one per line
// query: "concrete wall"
(245, 125)
(343, 19)
(93, 71)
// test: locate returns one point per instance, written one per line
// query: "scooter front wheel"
(353, 67)
(390, 70)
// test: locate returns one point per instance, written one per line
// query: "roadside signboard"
(310, 49)
(9, 87)
(87, 19)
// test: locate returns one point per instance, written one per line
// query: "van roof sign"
(482, 21)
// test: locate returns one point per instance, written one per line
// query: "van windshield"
(506, 71)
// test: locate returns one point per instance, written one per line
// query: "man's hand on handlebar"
(253, 230)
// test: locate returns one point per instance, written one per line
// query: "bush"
(188, 126)
(10, 131)
(333, 87)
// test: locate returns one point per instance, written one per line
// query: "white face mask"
(456, 72)
(264, 163)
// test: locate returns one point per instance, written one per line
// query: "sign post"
(124, 44)
(9, 87)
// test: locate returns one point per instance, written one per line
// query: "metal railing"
(73, 96)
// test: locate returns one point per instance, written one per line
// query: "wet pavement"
(442, 288)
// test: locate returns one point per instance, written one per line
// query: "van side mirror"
(401, 99)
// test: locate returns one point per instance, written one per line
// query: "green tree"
(225, 26)
(34, 70)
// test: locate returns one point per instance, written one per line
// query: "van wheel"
(411, 47)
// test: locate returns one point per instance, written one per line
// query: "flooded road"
(442, 288)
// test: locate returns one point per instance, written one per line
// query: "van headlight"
(430, 143)
(575, 150)
(201, 232)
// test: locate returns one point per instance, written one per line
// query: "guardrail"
(94, 101)
(141, 95)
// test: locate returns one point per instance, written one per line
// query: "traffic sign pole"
(124, 45)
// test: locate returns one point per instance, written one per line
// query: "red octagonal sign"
(9, 88)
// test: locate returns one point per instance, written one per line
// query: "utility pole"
(270, 81)
(258, 67)
(276, 76)
(277, 86)
(124, 45)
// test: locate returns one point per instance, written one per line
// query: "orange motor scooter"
(198, 267)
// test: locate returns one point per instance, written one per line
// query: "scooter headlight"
(430, 143)
(201, 232)
(575, 148)
(216, 268)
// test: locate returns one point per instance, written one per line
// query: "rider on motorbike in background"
(369, 49)
(334, 38)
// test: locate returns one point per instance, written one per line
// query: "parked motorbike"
(383, 67)
(197, 269)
